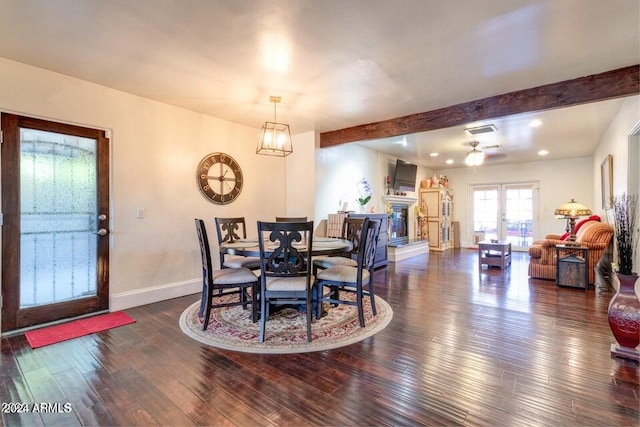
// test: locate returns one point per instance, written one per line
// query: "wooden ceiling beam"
(597, 87)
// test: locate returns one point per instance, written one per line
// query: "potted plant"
(364, 190)
(624, 308)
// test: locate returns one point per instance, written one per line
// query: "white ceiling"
(339, 63)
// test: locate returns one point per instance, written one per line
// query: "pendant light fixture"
(275, 138)
(474, 157)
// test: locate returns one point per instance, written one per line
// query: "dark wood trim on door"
(12, 316)
(597, 87)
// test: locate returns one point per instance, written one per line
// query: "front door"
(55, 200)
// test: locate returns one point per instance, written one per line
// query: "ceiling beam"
(597, 87)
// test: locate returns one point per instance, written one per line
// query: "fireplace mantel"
(399, 200)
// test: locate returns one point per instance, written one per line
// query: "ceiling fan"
(476, 156)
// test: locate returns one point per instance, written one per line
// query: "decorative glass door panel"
(518, 215)
(486, 208)
(58, 219)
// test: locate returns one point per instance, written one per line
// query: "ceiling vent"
(481, 129)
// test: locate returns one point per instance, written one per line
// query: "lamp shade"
(572, 209)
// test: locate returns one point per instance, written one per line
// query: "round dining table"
(320, 246)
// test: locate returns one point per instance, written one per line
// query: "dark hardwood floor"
(463, 348)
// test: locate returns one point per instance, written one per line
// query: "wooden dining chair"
(351, 230)
(230, 230)
(352, 279)
(291, 219)
(227, 281)
(285, 273)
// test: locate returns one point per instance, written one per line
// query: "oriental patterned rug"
(231, 328)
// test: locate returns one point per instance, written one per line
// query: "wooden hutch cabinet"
(436, 207)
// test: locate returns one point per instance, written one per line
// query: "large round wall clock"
(219, 178)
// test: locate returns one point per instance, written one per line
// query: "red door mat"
(77, 328)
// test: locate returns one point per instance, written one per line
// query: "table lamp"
(572, 210)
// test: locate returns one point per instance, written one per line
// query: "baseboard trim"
(124, 300)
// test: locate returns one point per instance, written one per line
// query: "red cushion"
(566, 235)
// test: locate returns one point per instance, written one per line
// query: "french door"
(504, 212)
(55, 243)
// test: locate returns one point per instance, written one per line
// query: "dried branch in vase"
(625, 209)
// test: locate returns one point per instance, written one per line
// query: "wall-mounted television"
(404, 178)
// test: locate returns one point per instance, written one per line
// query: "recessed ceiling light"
(535, 123)
(449, 161)
(434, 154)
(543, 153)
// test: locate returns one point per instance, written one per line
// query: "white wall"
(155, 149)
(339, 168)
(300, 182)
(616, 142)
(558, 182)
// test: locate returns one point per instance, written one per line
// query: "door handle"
(102, 232)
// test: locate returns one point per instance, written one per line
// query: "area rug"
(77, 328)
(231, 328)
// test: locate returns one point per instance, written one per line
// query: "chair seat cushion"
(248, 262)
(328, 262)
(288, 283)
(343, 273)
(230, 276)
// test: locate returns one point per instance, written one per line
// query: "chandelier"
(275, 138)
(474, 157)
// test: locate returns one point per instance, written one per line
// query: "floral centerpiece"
(390, 212)
(624, 307)
(364, 190)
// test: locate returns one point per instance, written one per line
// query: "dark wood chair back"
(285, 267)
(230, 230)
(284, 248)
(353, 279)
(291, 219)
(223, 282)
(352, 230)
(205, 254)
(368, 244)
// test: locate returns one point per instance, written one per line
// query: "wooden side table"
(571, 266)
(496, 254)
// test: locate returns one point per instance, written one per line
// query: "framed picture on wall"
(606, 171)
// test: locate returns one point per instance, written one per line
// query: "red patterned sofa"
(592, 234)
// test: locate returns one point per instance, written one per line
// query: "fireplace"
(399, 225)
(401, 222)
